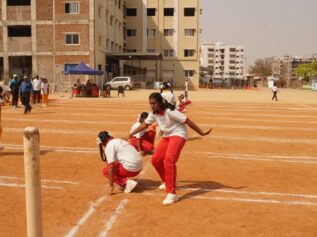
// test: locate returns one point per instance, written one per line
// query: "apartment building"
(284, 68)
(170, 27)
(226, 61)
(49, 37)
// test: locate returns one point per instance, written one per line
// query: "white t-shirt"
(140, 134)
(274, 88)
(36, 84)
(44, 88)
(171, 123)
(169, 97)
(121, 151)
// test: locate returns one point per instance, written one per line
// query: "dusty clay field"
(255, 175)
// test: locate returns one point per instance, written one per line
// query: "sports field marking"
(265, 139)
(17, 185)
(129, 123)
(246, 200)
(213, 155)
(43, 180)
(85, 217)
(113, 218)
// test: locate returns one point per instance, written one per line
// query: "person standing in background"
(36, 83)
(274, 90)
(15, 87)
(44, 91)
(25, 93)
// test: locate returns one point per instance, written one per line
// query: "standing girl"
(45, 91)
(172, 124)
(167, 94)
(122, 162)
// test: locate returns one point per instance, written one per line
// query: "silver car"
(125, 82)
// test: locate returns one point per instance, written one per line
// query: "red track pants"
(164, 160)
(120, 173)
(147, 141)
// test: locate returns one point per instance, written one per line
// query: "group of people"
(123, 157)
(85, 90)
(24, 88)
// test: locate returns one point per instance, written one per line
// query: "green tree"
(306, 71)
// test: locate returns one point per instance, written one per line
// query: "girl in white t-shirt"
(167, 94)
(122, 161)
(172, 123)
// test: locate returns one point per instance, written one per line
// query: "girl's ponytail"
(103, 137)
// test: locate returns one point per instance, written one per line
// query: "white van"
(126, 82)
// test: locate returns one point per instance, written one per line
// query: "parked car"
(126, 82)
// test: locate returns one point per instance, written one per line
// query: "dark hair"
(163, 103)
(144, 115)
(104, 137)
(166, 86)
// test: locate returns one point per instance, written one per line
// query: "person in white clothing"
(172, 124)
(44, 91)
(122, 162)
(274, 90)
(167, 94)
(36, 84)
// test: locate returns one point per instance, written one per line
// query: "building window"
(168, 11)
(18, 2)
(19, 31)
(189, 53)
(131, 32)
(169, 32)
(72, 38)
(131, 12)
(189, 11)
(151, 50)
(68, 67)
(151, 11)
(131, 50)
(169, 53)
(150, 32)
(111, 20)
(72, 7)
(189, 73)
(189, 32)
(119, 5)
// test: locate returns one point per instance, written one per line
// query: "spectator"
(25, 93)
(36, 83)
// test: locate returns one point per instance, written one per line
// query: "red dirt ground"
(255, 175)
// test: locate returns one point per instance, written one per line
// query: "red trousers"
(164, 160)
(147, 141)
(120, 173)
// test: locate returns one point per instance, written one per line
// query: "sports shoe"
(130, 185)
(170, 198)
(162, 186)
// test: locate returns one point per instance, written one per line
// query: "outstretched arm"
(138, 129)
(193, 126)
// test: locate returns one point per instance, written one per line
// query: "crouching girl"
(122, 162)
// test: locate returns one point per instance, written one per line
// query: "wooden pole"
(32, 181)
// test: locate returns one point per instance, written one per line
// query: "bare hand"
(142, 153)
(207, 132)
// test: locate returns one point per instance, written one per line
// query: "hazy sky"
(263, 27)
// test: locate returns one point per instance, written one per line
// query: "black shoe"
(30, 109)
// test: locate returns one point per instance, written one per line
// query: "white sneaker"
(170, 198)
(130, 185)
(162, 186)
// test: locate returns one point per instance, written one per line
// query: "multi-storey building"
(284, 68)
(226, 61)
(170, 27)
(49, 37)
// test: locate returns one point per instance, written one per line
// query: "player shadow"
(193, 139)
(146, 185)
(21, 153)
(197, 188)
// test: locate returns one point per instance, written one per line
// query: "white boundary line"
(85, 217)
(247, 200)
(43, 180)
(213, 155)
(16, 185)
(113, 218)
